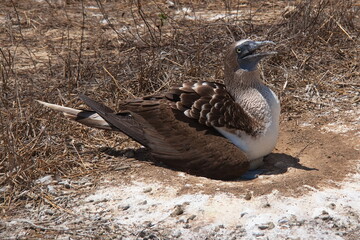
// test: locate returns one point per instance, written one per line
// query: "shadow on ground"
(274, 163)
(278, 163)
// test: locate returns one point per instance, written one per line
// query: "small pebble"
(324, 216)
(146, 190)
(266, 205)
(192, 217)
(143, 202)
(102, 200)
(180, 221)
(124, 207)
(248, 196)
(258, 234)
(178, 211)
(283, 221)
(332, 206)
(269, 225)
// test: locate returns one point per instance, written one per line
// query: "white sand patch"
(338, 128)
(311, 216)
(344, 126)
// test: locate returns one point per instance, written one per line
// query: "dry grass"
(53, 50)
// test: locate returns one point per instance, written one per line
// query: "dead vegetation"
(53, 50)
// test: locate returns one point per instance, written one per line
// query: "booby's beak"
(248, 54)
(256, 45)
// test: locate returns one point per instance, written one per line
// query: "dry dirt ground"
(309, 187)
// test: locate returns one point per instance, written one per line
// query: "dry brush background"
(112, 50)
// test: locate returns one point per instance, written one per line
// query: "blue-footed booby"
(205, 128)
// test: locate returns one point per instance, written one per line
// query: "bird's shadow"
(141, 154)
(274, 163)
(279, 163)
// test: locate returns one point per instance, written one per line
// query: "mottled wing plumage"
(205, 153)
(211, 105)
(184, 144)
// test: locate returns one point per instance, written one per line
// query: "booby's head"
(244, 55)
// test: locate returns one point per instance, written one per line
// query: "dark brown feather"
(204, 90)
(123, 122)
(188, 99)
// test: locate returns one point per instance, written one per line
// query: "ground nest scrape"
(304, 159)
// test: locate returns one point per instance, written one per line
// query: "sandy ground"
(309, 190)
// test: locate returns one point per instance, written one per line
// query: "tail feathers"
(123, 121)
(88, 118)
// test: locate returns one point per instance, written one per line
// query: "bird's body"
(205, 128)
(263, 144)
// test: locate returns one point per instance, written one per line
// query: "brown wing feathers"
(175, 139)
(178, 127)
(212, 106)
(185, 144)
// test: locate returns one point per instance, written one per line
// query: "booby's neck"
(241, 82)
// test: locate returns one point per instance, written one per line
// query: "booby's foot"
(256, 163)
(251, 174)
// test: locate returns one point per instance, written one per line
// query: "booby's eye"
(238, 50)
